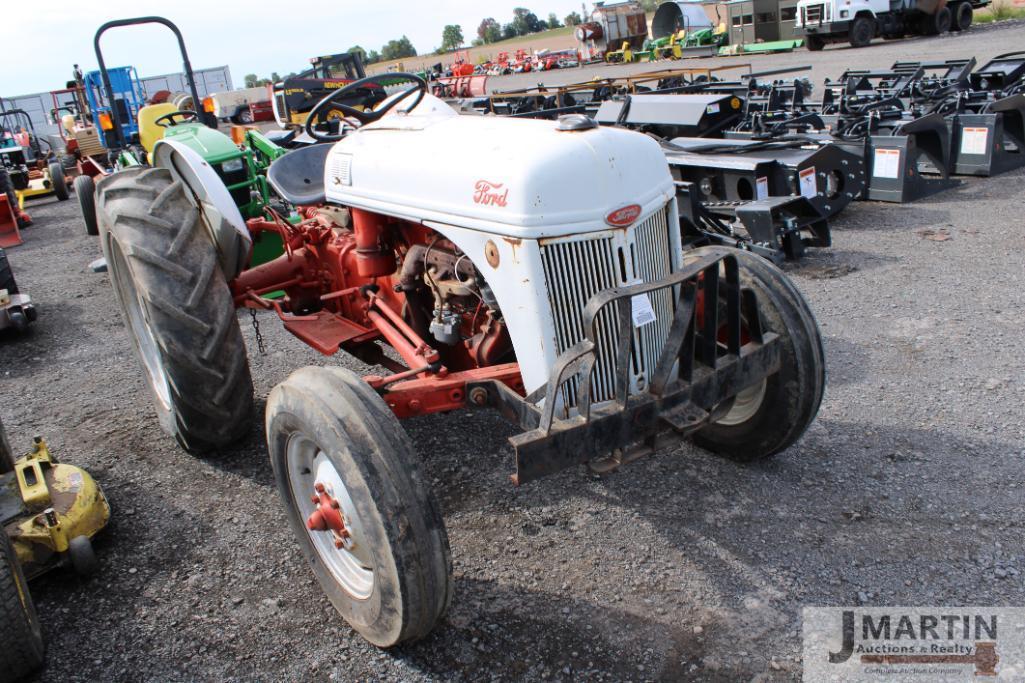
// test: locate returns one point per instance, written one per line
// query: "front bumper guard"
(704, 363)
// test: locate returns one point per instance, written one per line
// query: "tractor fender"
(218, 211)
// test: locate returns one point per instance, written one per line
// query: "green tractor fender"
(218, 212)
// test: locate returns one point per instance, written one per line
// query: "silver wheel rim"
(145, 340)
(745, 405)
(351, 566)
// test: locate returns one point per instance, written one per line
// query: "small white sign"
(809, 188)
(886, 163)
(973, 140)
(340, 169)
(761, 187)
(640, 308)
(712, 108)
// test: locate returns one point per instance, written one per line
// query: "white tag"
(640, 308)
(886, 163)
(712, 108)
(809, 188)
(761, 187)
(973, 140)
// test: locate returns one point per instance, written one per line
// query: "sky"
(251, 37)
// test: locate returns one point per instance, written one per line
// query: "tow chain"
(256, 328)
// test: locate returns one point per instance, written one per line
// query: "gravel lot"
(906, 491)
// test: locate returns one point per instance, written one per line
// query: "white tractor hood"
(515, 177)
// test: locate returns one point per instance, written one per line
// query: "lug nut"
(478, 396)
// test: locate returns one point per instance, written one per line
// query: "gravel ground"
(905, 491)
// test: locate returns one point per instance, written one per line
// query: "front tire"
(58, 182)
(85, 190)
(768, 418)
(177, 307)
(862, 31)
(21, 638)
(814, 43)
(329, 433)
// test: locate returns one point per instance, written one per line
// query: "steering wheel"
(167, 120)
(419, 86)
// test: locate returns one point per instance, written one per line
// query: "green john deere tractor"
(188, 143)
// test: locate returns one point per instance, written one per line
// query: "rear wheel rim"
(351, 567)
(146, 341)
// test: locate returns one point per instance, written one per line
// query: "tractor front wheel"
(177, 307)
(357, 499)
(766, 418)
(85, 190)
(21, 638)
(58, 182)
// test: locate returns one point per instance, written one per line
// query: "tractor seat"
(149, 131)
(298, 176)
(280, 137)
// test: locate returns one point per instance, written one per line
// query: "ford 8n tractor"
(540, 274)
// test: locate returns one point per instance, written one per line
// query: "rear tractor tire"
(177, 307)
(769, 417)
(21, 638)
(375, 538)
(85, 190)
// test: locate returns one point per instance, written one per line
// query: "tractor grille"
(578, 267)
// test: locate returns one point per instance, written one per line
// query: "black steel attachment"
(714, 349)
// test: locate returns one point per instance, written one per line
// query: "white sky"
(251, 37)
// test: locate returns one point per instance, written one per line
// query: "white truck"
(859, 21)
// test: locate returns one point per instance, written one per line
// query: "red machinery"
(10, 236)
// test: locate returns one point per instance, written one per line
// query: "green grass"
(1001, 10)
(551, 33)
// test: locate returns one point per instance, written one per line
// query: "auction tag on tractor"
(640, 307)
(973, 140)
(806, 180)
(886, 163)
(761, 187)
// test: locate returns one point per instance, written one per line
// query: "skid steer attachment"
(992, 142)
